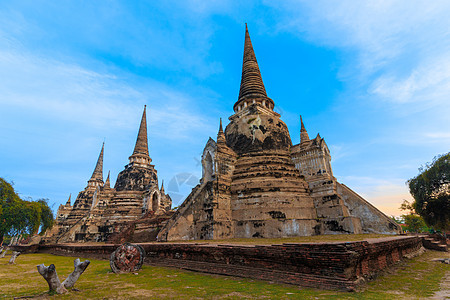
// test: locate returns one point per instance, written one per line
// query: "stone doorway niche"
(155, 201)
(208, 167)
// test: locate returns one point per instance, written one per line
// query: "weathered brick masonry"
(341, 265)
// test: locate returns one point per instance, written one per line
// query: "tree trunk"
(50, 275)
(54, 284)
(4, 252)
(13, 257)
(80, 267)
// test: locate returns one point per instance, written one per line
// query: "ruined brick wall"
(206, 212)
(270, 198)
(110, 215)
(144, 229)
(182, 226)
(223, 225)
(322, 265)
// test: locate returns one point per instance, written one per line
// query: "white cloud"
(427, 87)
(438, 135)
(382, 30)
(67, 92)
(58, 105)
(55, 114)
(394, 59)
(404, 48)
(62, 91)
(163, 35)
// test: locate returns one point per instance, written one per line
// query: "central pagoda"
(255, 183)
(250, 186)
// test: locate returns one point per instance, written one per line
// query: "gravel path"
(444, 292)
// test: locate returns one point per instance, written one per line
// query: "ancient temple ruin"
(101, 212)
(256, 183)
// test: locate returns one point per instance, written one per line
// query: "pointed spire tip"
(98, 171)
(107, 182)
(304, 137)
(141, 146)
(221, 139)
(220, 126)
(252, 85)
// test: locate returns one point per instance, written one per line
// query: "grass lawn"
(414, 279)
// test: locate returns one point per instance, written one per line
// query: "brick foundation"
(341, 265)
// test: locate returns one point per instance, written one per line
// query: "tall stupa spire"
(97, 175)
(220, 135)
(141, 146)
(252, 86)
(304, 137)
(108, 182)
(162, 187)
(251, 80)
(140, 154)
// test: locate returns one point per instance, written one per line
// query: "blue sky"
(373, 77)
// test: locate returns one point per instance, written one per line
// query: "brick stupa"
(101, 212)
(255, 183)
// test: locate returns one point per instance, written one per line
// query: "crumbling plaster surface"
(372, 219)
(256, 131)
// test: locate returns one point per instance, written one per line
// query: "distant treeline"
(19, 216)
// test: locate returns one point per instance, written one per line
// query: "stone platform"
(336, 265)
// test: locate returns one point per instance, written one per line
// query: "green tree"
(415, 223)
(431, 192)
(19, 216)
(9, 202)
(47, 219)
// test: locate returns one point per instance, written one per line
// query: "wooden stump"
(14, 255)
(127, 258)
(50, 275)
(73, 277)
(54, 284)
(4, 253)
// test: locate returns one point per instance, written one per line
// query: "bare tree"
(50, 275)
(73, 277)
(4, 252)
(14, 255)
(54, 284)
